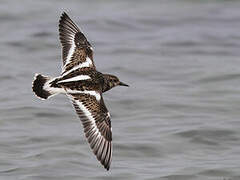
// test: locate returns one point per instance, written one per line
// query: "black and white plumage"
(77, 51)
(84, 86)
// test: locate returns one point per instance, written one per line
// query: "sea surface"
(178, 120)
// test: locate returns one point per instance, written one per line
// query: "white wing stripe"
(89, 115)
(76, 78)
(87, 63)
(92, 93)
(70, 53)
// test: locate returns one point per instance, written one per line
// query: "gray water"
(178, 120)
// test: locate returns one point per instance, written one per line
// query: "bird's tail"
(43, 88)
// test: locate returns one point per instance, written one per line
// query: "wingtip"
(64, 15)
(106, 166)
(66, 21)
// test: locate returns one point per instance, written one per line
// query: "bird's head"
(111, 81)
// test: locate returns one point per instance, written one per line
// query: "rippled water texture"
(178, 120)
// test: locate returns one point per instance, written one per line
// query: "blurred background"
(178, 120)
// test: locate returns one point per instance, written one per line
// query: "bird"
(84, 86)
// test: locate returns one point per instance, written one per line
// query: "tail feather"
(42, 88)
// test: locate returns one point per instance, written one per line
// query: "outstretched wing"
(95, 118)
(76, 50)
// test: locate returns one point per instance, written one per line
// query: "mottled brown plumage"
(84, 85)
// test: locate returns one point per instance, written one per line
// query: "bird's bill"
(122, 84)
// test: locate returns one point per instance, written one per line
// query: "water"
(179, 120)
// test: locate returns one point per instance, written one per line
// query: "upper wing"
(96, 122)
(76, 50)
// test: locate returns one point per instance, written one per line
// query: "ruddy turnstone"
(84, 86)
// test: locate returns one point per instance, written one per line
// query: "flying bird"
(84, 86)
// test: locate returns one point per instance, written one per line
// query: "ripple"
(136, 150)
(216, 172)
(219, 78)
(187, 43)
(11, 170)
(15, 44)
(41, 34)
(45, 114)
(179, 177)
(209, 137)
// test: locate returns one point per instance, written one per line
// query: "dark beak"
(122, 84)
